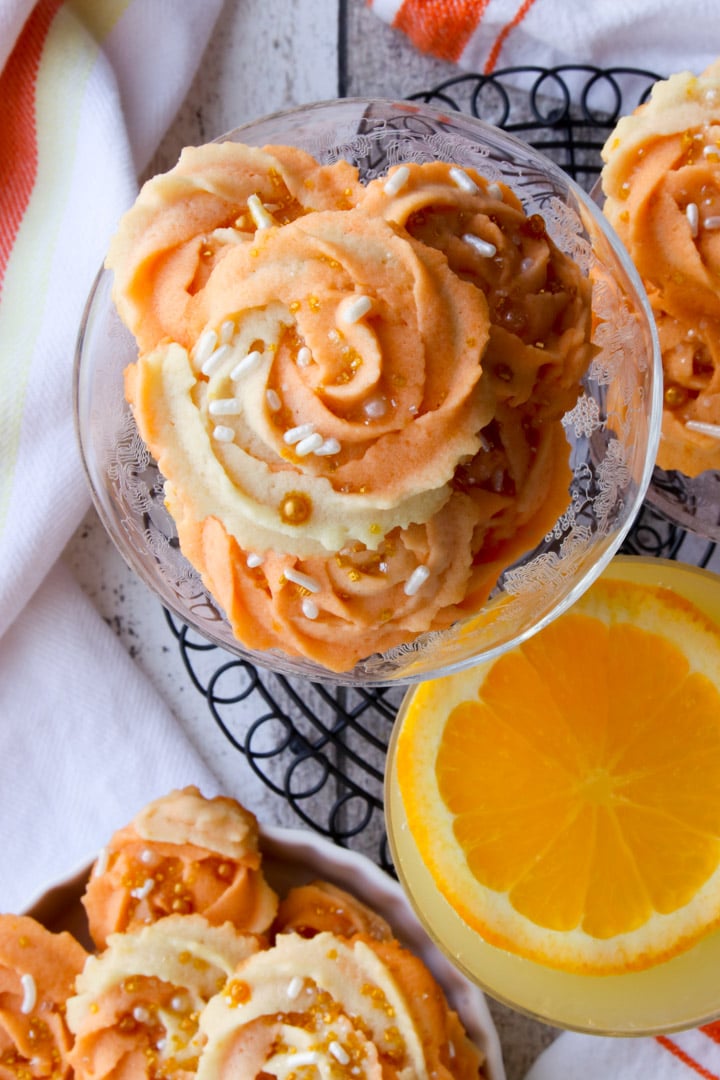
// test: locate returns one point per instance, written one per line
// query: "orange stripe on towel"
(440, 27)
(674, 1049)
(712, 1031)
(502, 36)
(18, 133)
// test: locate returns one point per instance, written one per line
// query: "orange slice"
(566, 796)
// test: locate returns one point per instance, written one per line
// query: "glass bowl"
(674, 995)
(611, 433)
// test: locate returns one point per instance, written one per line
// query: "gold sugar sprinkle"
(674, 396)
(295, 508)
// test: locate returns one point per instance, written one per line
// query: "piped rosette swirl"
(181, 854)
(358, 414)
(356, 1007)
(321, 906)
(137, 1004)
(661, 180)
(185, 221)
(37, 974)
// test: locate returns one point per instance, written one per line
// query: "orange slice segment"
(566, 796)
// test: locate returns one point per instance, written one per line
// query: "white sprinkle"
(225, 407)
(273, 399)
(161, 1044)
(711, 151)
(334, 336)
(328, 448)
(451, 1050)
(248, 363)
(498, 480)
(693, 215)
(226, 331)
(259, 214)
(711, 95)
(309, 608)
(303, 580)
(713, 430)
(215, 360)
(254, 560)
(495, 191)
(227, 236)
(29, 994)
(310, 444)
(295, 434)
(483, 247)
(148, 857)
(375, 407)
(204, 346)
(353, 311)
(294, 987)
(304, 357)
(102, 862)
(397, 181)
(179, 1003)
(223, 434)
(339, 1052)
(461, 179)
(712, 222)
(304, 1057)
(416, 580)
(144, 891)
(141, 1014)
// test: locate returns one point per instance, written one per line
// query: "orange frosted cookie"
(37, 974)
(661, 181)
(367, 1007)
(185, 221)
(181, 854)
(137, 1004)
(310, 909)
(538, 299)
(357, 412)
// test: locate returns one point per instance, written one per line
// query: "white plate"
(293, 857)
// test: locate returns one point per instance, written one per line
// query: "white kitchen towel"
(685, 1055)
(87, 90)
(485, 35)
(85, 741)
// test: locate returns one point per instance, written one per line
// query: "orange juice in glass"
(574, 871)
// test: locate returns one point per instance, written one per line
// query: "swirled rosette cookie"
(358, 414)
(309, 471)
(538, 299)
(321, 906)
(661, 181)
(184, 221)
(182, 853)
(37, 975)
(136, 1009)
(355, 1007)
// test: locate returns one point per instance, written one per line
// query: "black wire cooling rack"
(322, 748)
